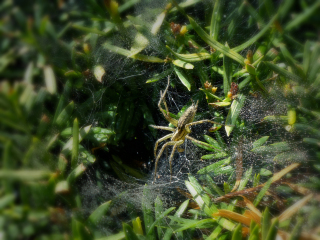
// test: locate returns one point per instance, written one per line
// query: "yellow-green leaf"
(128, 53)
(183, 64)
(193, 57)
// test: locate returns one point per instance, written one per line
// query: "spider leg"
(164, 100)
(166, 112)
(161, 140)
(159, 155)
(171, 156)
(200, 122)
(163, 128)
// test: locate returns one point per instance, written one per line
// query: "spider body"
(186, 118)
(180, 133)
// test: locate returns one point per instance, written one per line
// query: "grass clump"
(79, 91)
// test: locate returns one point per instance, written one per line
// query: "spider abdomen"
(187, 116)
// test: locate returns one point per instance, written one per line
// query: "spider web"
(128, 196)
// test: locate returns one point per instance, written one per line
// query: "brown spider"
(180, 133)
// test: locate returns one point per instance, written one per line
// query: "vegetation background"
(80, 85)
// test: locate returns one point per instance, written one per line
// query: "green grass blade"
(254, 14)
(248, 69)
(210, 94)
(215, 44)
(199, 198)
(160, 217)
(261, 51)
(265, 172)
(183, 64)
(75, 143)
(295, 233)
(99, 212)
(90, 30)
(139, 44)
(25, 175)
(216, 19)
(63, 100)
(245, 179)
(127, 5)
(234, 112)
(185, 4)
(216, 167)
(145, 31)
(286, 157)
(213, 142)
(205, 146)
(283, 72)
(220, 104)
(275, 148)
(227, 74)
(6, 200)
(255, 38)
(262, 192)
(306, 57)
(260, 141)
(178, 213)
(271, 54)
(158, 206)
(117, 236)
(129, 233)
(205, 223)
(148, 213)
(137, 226)
(50, 79)
(128, 53)
(67, 148)
(158, 23)
(213, 185)
(285, 7)
(269, 7)
(272, 234)
(7, 164)
(65, 115)
(302, 16)
(193, 57)
(259, 83)
(226, 187)
(79, 230)
(160, 76)
(218, 70)
(254, 233)
(237, 233)
(28, 74)
(215, 233)
(214, 156)
(184, 78)
(76, 173)
(128, 170)
(256, 180)
(287, 55)
(313, 72)
(265, 223)
(244, 82)
(202, 72)
(62, 187)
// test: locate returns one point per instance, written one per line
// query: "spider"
(180, 133)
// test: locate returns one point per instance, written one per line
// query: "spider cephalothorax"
(180, 133)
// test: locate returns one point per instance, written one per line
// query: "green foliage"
(79, 91)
